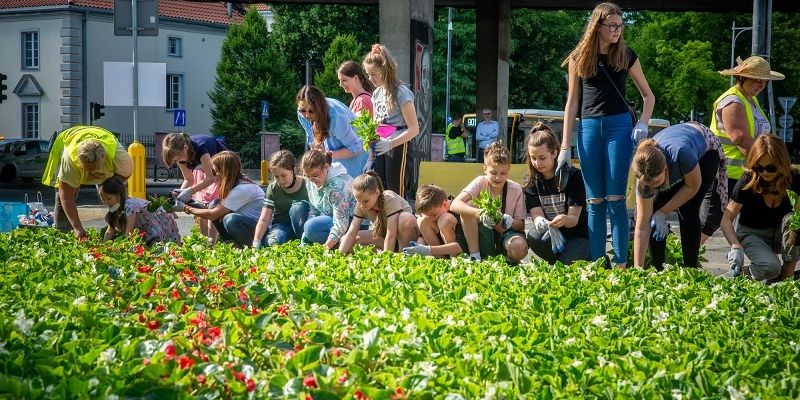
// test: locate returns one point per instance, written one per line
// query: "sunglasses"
(184, 162)
(771, 168)
(305, 111)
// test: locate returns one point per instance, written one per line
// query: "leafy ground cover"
(117, 320)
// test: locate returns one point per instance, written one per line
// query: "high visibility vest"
(736, 159)
(68, 141)
(454, 146)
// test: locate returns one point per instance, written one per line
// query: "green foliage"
(489, 205)
(462, 65)
(293, 137)
(366, 128)
(157, 202)
(116, 319)
(794, 220)
(343, 48)
(251, 68)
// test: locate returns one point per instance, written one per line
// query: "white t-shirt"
(245, 198)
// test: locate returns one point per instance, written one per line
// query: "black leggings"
(688, 215)
(393, 169)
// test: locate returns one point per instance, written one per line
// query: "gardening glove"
(487, 220)
(184, 195)
(256, 244)
(540, 225)
(736, 260)
(557, 241)
(368, 165)
(507, 221)
(563, 161)
(639, 132)
(659, 225)
(416, 248)
(383, 146)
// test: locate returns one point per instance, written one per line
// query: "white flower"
(88, 257)
(427, 368)
(576, 363)
(636, 354)
(93, 382)
(405, 314)
(676, 394)
(79, 301)
(570, 341)
(379, 313)
(457, 340)
(248, 371)
(112, 397)
(23, 324)
(613, 280)
(503, 338)
(470, 297)
(449, 321)
(600, 321)
(735, 393)
(108, 355)
(46, 335)
(661, 317)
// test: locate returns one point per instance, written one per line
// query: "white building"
(53, 52)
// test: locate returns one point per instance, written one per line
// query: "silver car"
(23, 158)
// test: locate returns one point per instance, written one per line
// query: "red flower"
(145, 269)
(227, 283)
(336, 352)
(150, 292)
(214, 289)
(142, 319)
(142, 233)
(139, 250)
(253, 269)
(251, 385)
(202, 269)
(242, 295)
(360, 395)
(214, 332)
(283, 310)
(200, 355)
(289, 354)
(308, 397)
(153, 325)
(342, 378)
(310, 382)
(185, 361)
(239, 376)
(176, 294)
(146, 361)
(184, 309)
(255, 311)
(169, 351)
(398, 394)
(159, 309)
(201, 379)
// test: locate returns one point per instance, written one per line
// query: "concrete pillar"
(493, 34)
(406, 29)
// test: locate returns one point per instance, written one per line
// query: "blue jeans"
(316, 229)
(292, 229)
(605, 144)
(236, 227)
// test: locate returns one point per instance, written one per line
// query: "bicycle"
(163, 174)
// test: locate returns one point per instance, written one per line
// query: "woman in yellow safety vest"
(737, 120)
(82, 155)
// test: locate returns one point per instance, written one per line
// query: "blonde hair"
(91, 155)
(380, 57)
(774, 148)
(173, 144)
(496, 153)
(370, 182)
(428, 197)
(540, 135)
(649, 160)
(585, 53)
(228, 168)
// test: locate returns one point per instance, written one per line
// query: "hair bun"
(376, 48)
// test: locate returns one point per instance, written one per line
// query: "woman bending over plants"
(236, 214)
(126, 214)
(286, 205)
(395, 224)
(764, 209)
(332, 203)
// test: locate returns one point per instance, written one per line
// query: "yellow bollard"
(264, 172)
(136, 184)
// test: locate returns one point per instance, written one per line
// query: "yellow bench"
(453, 177)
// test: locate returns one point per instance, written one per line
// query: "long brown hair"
(355, 70)
(380, 57)
(540, 135)
(173, 144)
(770, 146)
(370, 182)
(649, 160)
(228, 169)
(315, 99)
(117, 221)
(585, 53)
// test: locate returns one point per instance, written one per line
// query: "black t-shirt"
(599, 96)
(454, 132)
(543, 193)
(755, 213)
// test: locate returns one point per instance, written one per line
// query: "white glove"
(487, 220)
(383, 146)
(368, 165)
(564, 160)
(540, 225)
(184, 195)
(736, 260)
(639, 132)
(557, 241)
(416, 248)
(256, 244)
(507, 221)
(659, 225)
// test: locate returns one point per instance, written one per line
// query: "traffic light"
(3, 87)
(96, 111)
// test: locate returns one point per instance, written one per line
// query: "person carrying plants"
(193, 155)
(397, 116)
(285, 209)
(82, 155)
(326, 122)
(442, 234)
(674, 172)
(760, 200)
(332, 203)
(394, 224)
(497, 203)
(126, 214)
(235, 214)
(560, 229)
(597, 69)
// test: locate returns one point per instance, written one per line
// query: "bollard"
(136, 184)
(264, 172)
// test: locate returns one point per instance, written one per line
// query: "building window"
(174, 91)
(30, 120)
(175, 47)
(30, 50)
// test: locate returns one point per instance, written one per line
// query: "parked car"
(23, 158)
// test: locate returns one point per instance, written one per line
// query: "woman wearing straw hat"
(737, 120)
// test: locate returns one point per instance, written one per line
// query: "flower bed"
(118, 320)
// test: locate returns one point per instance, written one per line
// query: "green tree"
(343, 48)
(462, 71)
(251, 68)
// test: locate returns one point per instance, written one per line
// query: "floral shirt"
(333, 199)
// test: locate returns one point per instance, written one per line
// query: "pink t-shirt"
(362, 102)
(515, 199)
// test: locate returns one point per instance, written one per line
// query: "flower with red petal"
(153, 325)
(176, 294)
(201, 379)
(159, 309)
(169, 351)
(145, 269)
(336, 352)
(185, 361)
(359, 395)
(283, 310)
(255, 311)
(142, 318)
(227, 284)
(239, 376)
(310, 382)
(139, 250)
(342, 378)
(398, 394)
(214, 332)
(251, 385)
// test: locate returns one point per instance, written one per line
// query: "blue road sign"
(264, 109)
(179, 117)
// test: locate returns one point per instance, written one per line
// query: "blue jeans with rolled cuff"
(292, 229)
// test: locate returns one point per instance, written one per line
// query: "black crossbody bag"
(631, 111)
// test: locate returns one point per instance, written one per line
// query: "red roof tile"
(180, 9)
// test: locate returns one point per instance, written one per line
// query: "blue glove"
(540, 225)
(639, 132)
(184, 195)
(659, 225)
(383, 146)
(416, 248)
(507, 221)
(557, 241)
(736, 260)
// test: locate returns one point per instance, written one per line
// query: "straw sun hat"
(753, 67)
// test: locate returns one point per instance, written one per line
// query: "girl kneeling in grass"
(285, 204)
(126, 214)
(332, 203)
(395, 224)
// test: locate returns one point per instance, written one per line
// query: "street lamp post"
(449, 44)
(735, 31)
